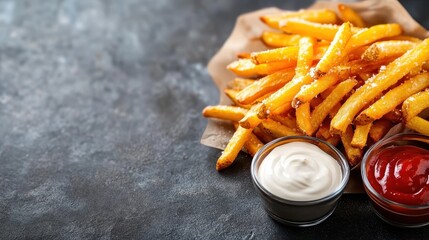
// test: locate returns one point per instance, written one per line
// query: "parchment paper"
(245, 38)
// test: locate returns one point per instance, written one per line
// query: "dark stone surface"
(100, 125)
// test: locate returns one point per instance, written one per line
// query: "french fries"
(326, 76)
(335, 52)
(374, 87)
(347, 14)
(393, 98)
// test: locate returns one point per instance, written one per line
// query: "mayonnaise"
(299, 171)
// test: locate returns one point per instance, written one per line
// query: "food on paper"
(328, 76)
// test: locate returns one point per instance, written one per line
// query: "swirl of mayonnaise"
(299, 171)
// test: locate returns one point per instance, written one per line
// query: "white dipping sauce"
(299, 171)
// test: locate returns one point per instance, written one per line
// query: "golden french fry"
(284, 119)
(303, 119)
(275, 55)
(357, 67)
(310, 91)
(321, 112)
(379, 128)
(252, 119)
(253, 144)
(277, 129)
(334, 54)
(234, 146)
(387, 49)
(239, 83)
(247, 68)
(224, 112)
(418, 124)
(262, 135)
(393, 98)
(353, 154)
(317, 15)
(232, 95)
(403, 38)
(265, 85)
(334, 110)
(347, 14)
(374, 33)
(415, 104)
(311, 29)
(323, 131)
(278, 102)
(284, 54)
(360, 135)
(374, 87)
(276, 40)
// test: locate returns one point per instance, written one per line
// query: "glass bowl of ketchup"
(395, 174)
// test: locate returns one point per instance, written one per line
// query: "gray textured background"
(100, 125)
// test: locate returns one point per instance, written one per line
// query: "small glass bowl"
(396, 214)
(299, 213)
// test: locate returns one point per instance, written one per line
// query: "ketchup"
(400, 174)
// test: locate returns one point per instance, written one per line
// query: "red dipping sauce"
(401, 174)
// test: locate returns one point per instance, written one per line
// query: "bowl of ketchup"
(395, 173)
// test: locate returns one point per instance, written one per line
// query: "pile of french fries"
(328, 76)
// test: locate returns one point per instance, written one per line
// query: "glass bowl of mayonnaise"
(299, 179)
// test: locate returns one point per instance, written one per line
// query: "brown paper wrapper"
(245, 38)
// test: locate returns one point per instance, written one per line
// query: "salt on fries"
(329, 76)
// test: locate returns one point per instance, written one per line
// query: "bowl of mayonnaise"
(299, 179)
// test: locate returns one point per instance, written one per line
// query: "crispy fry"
(323, 131)
(253, 144)
(247, 68)
(418, 124)
(373, 34)
(224, 112)
(310, 91)
(284, 54)
(415, 104)
(379, 128)
(240, 83)
(354, 155)
(347, 14)
(361, 135)
(303, 119)
(234, 146)
(393, 98)
(322, 111)
(285, 119)
(387, 49)
(232, 95)
(317, 15)
(402, 38)
(275, 55)
(373, 88)
(277, 130)
(251, 119)
(276, 40)
(262, 135)
(335, 51)
(316, 30)
(265, 85)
